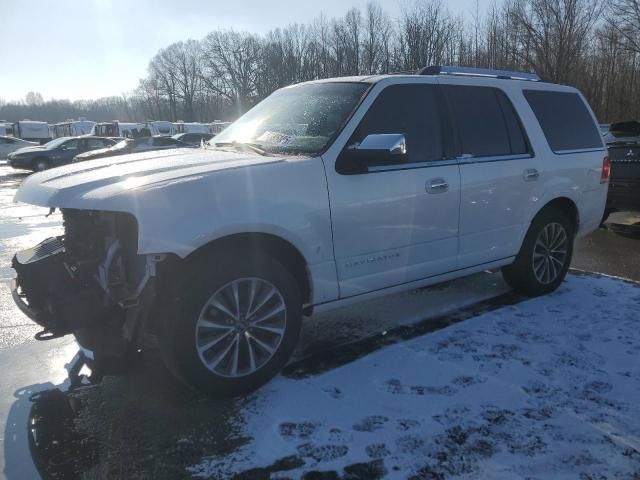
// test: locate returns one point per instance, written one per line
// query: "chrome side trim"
(464, 160)
(579, 150)
(411, 166)
(496, 158)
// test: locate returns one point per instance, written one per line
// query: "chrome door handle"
(531, 174)
(437, 185)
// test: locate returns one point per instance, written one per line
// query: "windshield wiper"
(254, 147)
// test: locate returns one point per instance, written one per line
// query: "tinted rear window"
(565, 120)
(486, 122)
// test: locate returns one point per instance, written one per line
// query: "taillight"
(606, 170)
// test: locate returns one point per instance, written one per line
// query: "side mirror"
(375, 150)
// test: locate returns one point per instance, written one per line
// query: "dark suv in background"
(623, 142)
(56, 152)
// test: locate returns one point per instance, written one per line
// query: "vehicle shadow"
(142, 422)
(19, 463)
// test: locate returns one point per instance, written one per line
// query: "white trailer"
(191, 127)
(73, 128)
(32, 131)
(217, 126)
(120, 129)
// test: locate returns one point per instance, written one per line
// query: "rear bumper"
(623, 195)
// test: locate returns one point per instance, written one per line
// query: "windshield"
(301, 119)
(55, 143)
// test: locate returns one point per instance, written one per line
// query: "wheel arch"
(257, 243)
(565, 205)
(35, 160)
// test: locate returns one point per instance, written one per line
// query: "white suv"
(326, 192)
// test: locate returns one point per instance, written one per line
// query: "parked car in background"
(604, 128)
(55, 153)
(11, 144)
(194, 139)
(31, 131)
(395, 183)
(73, 128)
(133, 145)
(623, 142)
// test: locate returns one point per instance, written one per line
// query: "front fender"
(288, 200)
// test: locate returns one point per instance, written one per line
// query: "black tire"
(205, 279)
(522, 275)
(40, 164)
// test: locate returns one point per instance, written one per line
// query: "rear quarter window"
(565, 120)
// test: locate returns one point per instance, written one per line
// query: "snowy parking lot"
(545, 388)
(463, 380)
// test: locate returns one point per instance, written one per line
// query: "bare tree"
(377, 38)
(426, 31)
(230, 65)
(557, 32)
(624, 16)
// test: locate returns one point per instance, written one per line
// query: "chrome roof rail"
(478, 72)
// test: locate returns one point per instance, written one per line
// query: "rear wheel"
(545, 255)
(237, 323)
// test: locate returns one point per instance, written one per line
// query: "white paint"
(382, 230)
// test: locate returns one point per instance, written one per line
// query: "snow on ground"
(547, 388)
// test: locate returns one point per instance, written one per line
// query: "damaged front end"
(89, 282)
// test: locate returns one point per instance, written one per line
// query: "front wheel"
(545, 255)
(237, 322)
(40, 164)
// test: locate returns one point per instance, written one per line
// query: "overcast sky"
(81, 49)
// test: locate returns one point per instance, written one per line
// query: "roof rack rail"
(478, 72)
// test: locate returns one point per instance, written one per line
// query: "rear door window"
(565, 120)
(93, 143)
(70, 145)
(487, 124)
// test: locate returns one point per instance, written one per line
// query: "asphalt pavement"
(140, 412)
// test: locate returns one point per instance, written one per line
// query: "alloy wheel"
(241, 327)
(550, 253)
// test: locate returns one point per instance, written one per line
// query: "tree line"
(591, 44)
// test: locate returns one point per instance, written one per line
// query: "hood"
(89, 184)
(35, 148)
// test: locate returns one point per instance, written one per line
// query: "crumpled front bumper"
(50, 290)
(47, 290)
(41, 317)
